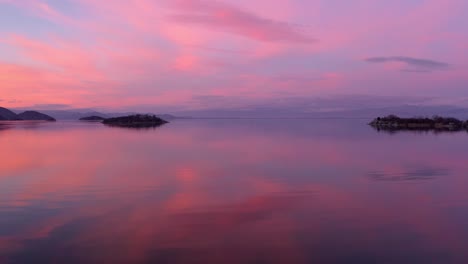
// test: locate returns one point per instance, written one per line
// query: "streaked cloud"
(420, 65)
(229, 18)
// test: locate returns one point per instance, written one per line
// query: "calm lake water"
(232, 191)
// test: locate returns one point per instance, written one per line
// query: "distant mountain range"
(6, 114)
(77, 114)
(364, 112)
(263, 112)
(74, 114)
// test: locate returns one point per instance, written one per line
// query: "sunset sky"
(196, 54)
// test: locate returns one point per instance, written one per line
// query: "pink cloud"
(226, 17)
(172, 52)
(185, 63)
(73, 58)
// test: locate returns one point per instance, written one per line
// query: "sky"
(175, 55)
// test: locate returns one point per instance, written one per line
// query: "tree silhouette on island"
(135, 121)
(393, 122)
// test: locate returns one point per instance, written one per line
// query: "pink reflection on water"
(203, 192)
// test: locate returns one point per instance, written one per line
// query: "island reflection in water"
(231, 191)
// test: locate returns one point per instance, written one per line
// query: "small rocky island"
(135, 121)
(437, 123)
(92, 118)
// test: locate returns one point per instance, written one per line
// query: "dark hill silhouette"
(6, 114)
(34, 115)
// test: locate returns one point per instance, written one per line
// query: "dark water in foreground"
(232, 191)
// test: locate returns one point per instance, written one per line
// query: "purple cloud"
(421, 65)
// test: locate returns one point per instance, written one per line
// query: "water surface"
(232, 191)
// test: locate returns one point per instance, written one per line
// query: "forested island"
(393, 122)
(135, 121)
